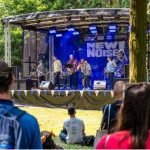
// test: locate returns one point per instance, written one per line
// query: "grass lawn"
(52, 119)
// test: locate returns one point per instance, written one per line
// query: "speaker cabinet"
(99, 85)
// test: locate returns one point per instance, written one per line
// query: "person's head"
(71, 57)
(71, 111)
(109, 58)
(81, 60)
(121, 54)
(54, 58)
(40, 62)
(118, 90)
(134, 115)
(86, 61)
(6, 77)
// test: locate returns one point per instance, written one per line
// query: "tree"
(137, 40)
(18, 7)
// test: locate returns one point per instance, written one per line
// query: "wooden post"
(137, 41)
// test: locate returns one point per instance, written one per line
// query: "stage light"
(71, 29)
(112, 28)
(94, 31)
(59, 35)
(92, 28)
(76, 33)
(148, 31)
(52, 31)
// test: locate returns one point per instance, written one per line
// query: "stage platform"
(91, 100)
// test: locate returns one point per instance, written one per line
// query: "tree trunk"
(137, 41)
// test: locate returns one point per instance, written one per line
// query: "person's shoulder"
(120, 134)
(79, 120)
(27, 119)
(66, 121)
(106, 107)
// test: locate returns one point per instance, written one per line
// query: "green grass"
(51, 119)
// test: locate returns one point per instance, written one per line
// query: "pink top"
(118, 140)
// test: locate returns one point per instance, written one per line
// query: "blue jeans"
(63, 136)
(110, 80)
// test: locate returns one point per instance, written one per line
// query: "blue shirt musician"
(109, 71)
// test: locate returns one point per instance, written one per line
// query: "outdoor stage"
(92, 100)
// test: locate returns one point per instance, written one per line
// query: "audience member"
(133, 121)
(114, 108)
(73, 128)
(18, 129)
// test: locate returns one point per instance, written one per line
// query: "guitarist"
(73, 73)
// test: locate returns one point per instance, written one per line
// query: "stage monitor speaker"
(30, 83)
(99, 85)
(47, 85)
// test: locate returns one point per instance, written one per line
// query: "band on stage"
(70, 71)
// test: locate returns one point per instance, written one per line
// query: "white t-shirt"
(74, 127)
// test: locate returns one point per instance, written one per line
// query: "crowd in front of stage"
(125, 123)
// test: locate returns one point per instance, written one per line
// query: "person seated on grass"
(133, 130)
(113, 108)
(73, 128)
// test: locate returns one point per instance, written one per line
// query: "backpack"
(10, 129)
(47, 141)
(88, 140)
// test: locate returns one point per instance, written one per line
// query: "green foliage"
(16, 7)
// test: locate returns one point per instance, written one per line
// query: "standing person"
(133, 121)
(40, 72)
(87, 75)
(81, 67)
(18, 129)
(109, 70)
(73, 72)
(118, 93)
(73, 128)
(57, 71)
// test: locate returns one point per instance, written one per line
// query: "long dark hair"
(134, 115)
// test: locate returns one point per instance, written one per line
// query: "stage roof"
(80, 18)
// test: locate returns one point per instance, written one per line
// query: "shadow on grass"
(70, 146)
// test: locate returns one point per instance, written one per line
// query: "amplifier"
(99, 85)
(48, 85)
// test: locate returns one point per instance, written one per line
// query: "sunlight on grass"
(52, 119)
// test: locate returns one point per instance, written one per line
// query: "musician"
(120, 61)
(87, 74)
(40, 72)
(81, 67)
(73, 72)
(57, 71)
(109, 70)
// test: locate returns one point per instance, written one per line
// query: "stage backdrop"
(95, 48)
